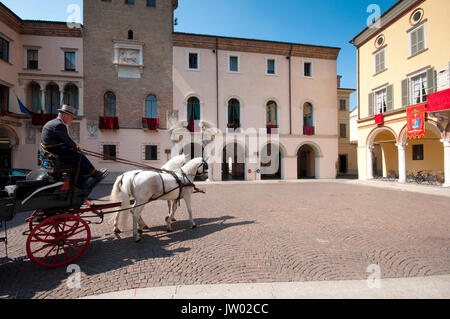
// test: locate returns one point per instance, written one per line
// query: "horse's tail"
(120, 194)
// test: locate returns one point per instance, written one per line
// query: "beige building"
(347, 164)
(404, 63)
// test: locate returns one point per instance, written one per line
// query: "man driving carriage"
(55, 140)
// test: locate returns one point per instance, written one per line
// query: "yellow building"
(403, 59)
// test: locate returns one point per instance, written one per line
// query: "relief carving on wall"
(30, 137)
(92, 129)
(129, 56)
(74, 132)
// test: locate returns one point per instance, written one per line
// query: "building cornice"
(211, 42)
(37, 27)
(394, 13)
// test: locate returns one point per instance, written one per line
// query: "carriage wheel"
(58, 241)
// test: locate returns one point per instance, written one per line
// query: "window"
(193, 109)
(70, 95)
(417, 40)
(69, 61)
(418, 152)
(234, 64)
(307, 69)
(271, 66)
(308, 115)
(271, 114)
(419, 86)
(343, 105)
(151, 3)
(380, 61)
(193, 61)
(32, 59)
(52, 98)
(34, 96)
(130, 35)
(151, 107)
(4, 50)
(109, 152)
(343, 130)
(129, 1)
(234, 110)
(109, 101)
(380, 101)
(4, 98)
(151, 152)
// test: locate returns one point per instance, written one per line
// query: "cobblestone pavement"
(258, 233)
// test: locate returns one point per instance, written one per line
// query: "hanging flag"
(415, 117)
(39, 107)
(23, 109)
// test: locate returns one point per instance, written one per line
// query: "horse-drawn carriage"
(57, 233)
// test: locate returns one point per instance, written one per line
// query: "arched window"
(193, 109)
(52, 98)
(308, 119)
(271, 113)
(33, 97)
(110, 104)
(130, 35)
(234, 113)
(71, 95)
(151, 107)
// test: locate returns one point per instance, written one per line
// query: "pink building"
(41, 63)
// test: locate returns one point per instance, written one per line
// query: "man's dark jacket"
(55, 133)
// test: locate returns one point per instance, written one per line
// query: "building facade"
(402, 64)
(41, 63)
(259, 101)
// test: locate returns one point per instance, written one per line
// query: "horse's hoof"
(117, 231)
(174, 219)
(170, 230)
(145, 227)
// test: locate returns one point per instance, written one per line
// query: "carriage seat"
(50, 162)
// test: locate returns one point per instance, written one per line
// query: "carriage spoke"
(55, 259)
(74, 248)
(43, 247)
(65, 251)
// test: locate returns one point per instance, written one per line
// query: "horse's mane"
(175, 162)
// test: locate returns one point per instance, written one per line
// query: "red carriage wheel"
(58, 241)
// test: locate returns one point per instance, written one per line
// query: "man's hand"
(78, 149)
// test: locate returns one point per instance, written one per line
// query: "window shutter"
(405, 92)
(431, 79)
(390, 97)
(371, 96)
(420, 39)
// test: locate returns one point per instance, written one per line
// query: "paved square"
(253, 233)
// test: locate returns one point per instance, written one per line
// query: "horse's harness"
(181, 184)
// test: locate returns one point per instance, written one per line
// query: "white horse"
(145, 185)
(121, 217)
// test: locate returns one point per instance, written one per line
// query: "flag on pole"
(22, 107)
(39, 107)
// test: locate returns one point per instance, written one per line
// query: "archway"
(382, 154)
(233, 162)
(306, 162)
(271, 162)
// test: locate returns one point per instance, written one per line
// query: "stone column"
(369, 162)
(446, 162)
(401, 162)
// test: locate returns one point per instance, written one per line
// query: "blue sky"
(320, 22)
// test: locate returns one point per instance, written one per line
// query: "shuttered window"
(4, 50)
(380, 61)
(417, 40)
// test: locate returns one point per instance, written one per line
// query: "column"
(401, 162)
(446, 162)
(369, 162)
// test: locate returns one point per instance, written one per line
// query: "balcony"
(150, 124)
(308, 130)
(108, 123)
(42, 119)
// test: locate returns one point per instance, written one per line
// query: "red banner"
(415, 117)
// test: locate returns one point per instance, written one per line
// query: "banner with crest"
(415, 116)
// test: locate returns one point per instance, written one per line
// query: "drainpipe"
(217, 79)
(290, 91)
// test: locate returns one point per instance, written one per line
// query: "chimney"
(339, 77)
